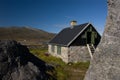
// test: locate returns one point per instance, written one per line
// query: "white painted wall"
(63, 55)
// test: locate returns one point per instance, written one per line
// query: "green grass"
(49, 59)
(63, 71)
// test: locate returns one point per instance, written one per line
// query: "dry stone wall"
(78, 54)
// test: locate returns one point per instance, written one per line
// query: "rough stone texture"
(71, 54)
(106, 60)
(78, 54)
(63, 55)
(17, 63)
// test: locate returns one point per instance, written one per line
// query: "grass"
(63, 71)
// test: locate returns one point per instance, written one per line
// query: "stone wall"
(72, 53)
(78, 54)
(49, 49)
(63, 55)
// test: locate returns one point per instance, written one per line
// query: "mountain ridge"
(25, 35)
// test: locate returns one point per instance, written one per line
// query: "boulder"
(105, 64)
(17, 63)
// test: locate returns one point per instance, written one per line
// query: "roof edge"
(55, 36)
(96, 30)
(57, 44)
(78, 34)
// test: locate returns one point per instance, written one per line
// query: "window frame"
(53, 48)
(59, 50)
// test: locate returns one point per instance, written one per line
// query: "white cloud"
(60, 25)
(69, 17)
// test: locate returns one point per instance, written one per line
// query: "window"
(59, 50)
(53, 48)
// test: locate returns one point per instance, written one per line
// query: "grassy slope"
(64, 71)
(25, 34)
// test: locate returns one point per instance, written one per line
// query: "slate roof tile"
(65, 36)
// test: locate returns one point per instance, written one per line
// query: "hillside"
(25, 35)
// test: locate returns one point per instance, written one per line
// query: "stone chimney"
(73, 23)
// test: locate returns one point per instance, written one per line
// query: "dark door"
(89, 37)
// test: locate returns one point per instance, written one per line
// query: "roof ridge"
(67, 35)
(77, 25)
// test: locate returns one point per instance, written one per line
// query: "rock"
(106, 60)
(17, 63)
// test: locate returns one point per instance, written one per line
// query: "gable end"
(78, 34)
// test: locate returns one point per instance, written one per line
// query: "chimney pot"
(73, 23)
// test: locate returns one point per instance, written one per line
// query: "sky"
(52, 15)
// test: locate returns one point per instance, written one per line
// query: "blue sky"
(52, 15)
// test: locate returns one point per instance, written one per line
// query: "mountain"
(25, 35)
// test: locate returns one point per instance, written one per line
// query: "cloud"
(69, 17)
(60, 25)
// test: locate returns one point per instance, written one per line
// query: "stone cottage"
(75, 43)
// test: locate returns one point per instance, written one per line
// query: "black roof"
(68, 35)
